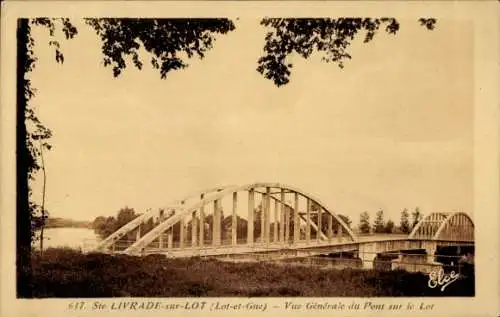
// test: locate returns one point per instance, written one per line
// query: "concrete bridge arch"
(193, 206)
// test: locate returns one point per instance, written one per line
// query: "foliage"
(345, 219)
(164, 39)
(404, 224)
(416, 217)
(330, 37)
(105, 226)
(364, 222)
(379, 223)
(389, 226)
(66, 223)
(65, 273)
(37, 135)
(168, 41)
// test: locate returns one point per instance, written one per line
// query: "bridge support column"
(194, 229)
(282, 216)
(263, 219)
(319, 230)
(287, 223)
(182, 233)
(216, 226)
(267, 215)
(430, 250)
(160, 241)
(330, 227)
(234, 220)
(368, 260)
(296, 220)
(251, 206)
(170, 239)
(202, 224)
(367, 253)
(161, 236)
(276, 221)
(308, 221)
(339, 233)
(138, 233)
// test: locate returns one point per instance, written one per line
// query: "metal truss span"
(285, 216)
(457, 226)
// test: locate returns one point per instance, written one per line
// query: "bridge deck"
(386, 241)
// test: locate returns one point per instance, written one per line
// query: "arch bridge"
(265, 218)
(457, 226)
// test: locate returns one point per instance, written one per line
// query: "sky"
(392, 130)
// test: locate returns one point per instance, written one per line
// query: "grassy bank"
(66, 273)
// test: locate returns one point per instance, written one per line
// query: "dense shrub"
(67, 273)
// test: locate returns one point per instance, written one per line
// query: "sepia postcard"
(228, 158)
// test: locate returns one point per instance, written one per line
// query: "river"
(74, 238)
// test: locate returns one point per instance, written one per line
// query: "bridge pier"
(367, 252)
(368, 260)
(431, 253)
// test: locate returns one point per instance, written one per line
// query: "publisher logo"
(439, 278)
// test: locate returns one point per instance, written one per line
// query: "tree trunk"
(43, 200)
(23, 214)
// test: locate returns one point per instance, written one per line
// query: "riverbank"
(68, 273)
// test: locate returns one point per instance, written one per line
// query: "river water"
(74, 238)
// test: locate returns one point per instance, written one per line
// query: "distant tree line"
(66, 223)
(379, 224)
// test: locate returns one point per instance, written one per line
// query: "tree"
(335, 222)
(164, 40)
(331, 37)
(364, 223)
(404, 224)
(98, 223)
(379, 223)
(389, 226)
(257, 225)
(345, 219)
(104, 227)
(44, 214)
(124, 216)
(416, 217)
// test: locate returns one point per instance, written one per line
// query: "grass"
(65, 273)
